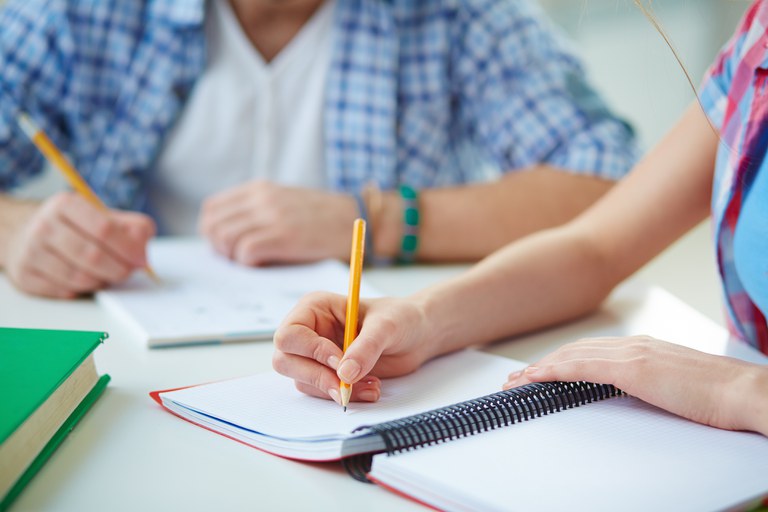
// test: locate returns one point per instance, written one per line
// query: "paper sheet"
(270, 404)
(618, 454)
(205, 297)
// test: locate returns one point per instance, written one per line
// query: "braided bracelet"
(410, 241)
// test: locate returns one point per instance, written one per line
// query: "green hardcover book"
(48, 380)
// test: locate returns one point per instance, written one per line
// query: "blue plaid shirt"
(419, 92)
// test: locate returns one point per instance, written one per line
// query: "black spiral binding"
(478, 415)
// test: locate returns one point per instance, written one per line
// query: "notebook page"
(204, 296)
(270, 404)
(619, 454)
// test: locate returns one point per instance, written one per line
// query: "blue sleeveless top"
(750, 243)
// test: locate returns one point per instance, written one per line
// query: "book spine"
(479, 415)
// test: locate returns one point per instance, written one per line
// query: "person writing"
(565, 272)
(269, 126)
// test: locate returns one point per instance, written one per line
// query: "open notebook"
(612, 451)
(205, 298)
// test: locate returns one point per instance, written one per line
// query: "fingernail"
(334, 393)
(368, 395)
(507, 385)
(348, 370)
(514, 376)
(333, 362)
(531, 369)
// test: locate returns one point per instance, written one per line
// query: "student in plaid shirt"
(270, 126)
(563, 273)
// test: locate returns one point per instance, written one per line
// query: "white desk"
(128, 454)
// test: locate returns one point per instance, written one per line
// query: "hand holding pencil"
(71, 243)
(314, 344)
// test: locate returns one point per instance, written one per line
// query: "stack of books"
(48, 380)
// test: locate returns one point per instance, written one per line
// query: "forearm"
(469, 222)
(562, 273)
(14, 213)
(550, 277)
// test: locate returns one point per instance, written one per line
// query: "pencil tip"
(153, 275)
(345, 408)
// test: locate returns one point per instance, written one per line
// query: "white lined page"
(270, 404)
(617, 454)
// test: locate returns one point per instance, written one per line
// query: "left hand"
(260, 223)
(715, 390)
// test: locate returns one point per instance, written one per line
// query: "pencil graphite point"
(345, 390)
(153, 275)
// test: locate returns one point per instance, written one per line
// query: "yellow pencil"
(58, 160)
(353, 297)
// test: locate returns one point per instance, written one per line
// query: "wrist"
(752, 399)
(389, 226)
(438, 324)
(14, 215)
(347, 213)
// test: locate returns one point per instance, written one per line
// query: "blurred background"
(630, 63)
(634, 70)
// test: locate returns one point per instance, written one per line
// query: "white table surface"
(128, 454)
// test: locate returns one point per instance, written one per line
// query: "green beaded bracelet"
(410, 242)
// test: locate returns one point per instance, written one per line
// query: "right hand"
(68, 247)
(393, 340)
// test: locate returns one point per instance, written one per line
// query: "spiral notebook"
(538, 447)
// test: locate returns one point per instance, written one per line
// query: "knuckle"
(16, 269)
(247, 259)
(313, 297)
(147, 227)
(275, 245)
(248, 253)
(319, 353)
(316, 381)
(268, 200)
(93, 256)
(82, 281)
(280, 341)
(386, 327)
(60, 201)
(214, 234)
(121, 273)
(103, 229)
(20, 272)
(205, 209)
(639, 346)
(40, 228)
(225, 237)
(279, 363)
(263, 187)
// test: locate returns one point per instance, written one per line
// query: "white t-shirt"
(246, 119)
